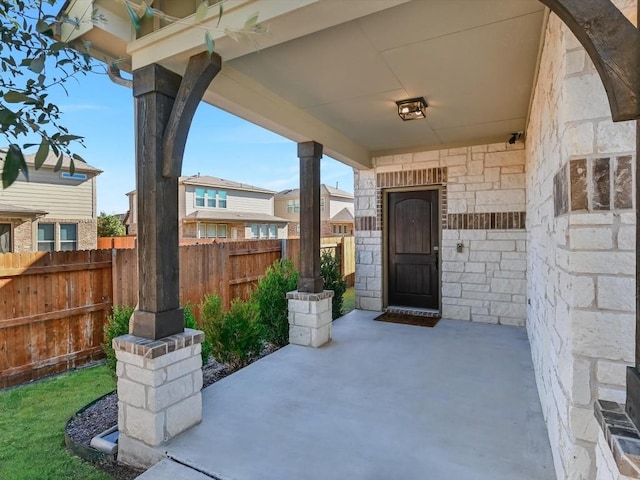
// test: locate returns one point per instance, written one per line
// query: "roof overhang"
(333, 75)
(20, 213)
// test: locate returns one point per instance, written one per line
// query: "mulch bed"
(103, 415)
(405, 319)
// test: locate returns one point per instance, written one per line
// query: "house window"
(322, 204)
(222, 199)
(293, 206)
(46, 238)
(5, 238)
(212, 230)
(207, 197)
(264, 231)
(68, 236)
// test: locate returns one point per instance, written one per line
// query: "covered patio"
(380, 401)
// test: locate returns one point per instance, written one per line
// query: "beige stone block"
(479, 148)
(136, 453)
(403, 158)
(299, 335)
(144, 376)
(185, 367)
(385, 160)
(457, 205)
(612, 394)
(576, 89)
(513, 322)
(628, 218)
(453, 161)
(373, 304)
(583, 424)
(453, 172)
(169, 394)
(493, 245)
(580, 138)
(320, 306)
(612, 373)
(496, 147)
(475, 267)
(591, 219)
(474, 187)
(144, 425)
(484, 318)
(455, 312)
(485, 256)
(627, 238)
(515, 265)
(473, 234)
(197, 380)
(617, 293)
(167, 359)
(131, 393)
(575, 61)
(129, 358)
(453, 267)
(475, 167)
(604, 335)
(602, 262)
(320, 336)
(312, 320)
(458, 151)
(184, 415)
(501, 197)
(451, 290)
(426, 156)
(508, 309)
(302, 306)
(583, 292)
(615, 137)
(504, 159)
(513, 180)
(492, 174)
(591, 238)
(508, 285)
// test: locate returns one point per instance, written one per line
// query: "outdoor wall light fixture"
(412, 109)
(515, 136)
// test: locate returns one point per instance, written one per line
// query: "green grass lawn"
(349, 300)
(32, 420)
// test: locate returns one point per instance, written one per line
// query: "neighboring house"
(336, 211)
(52, 211)
(213, 208)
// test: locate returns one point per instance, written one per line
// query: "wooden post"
(310, 280)
(159, 313)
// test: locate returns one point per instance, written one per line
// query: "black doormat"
(405, 319)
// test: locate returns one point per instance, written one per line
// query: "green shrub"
(236, 336)
(190, 322)
(271, 297)
(330, 271)
(117, 325)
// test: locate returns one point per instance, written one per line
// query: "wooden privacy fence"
(116, 242)
(53, 307)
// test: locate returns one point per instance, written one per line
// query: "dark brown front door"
(413, 249)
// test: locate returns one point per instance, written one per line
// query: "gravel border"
(103, 414)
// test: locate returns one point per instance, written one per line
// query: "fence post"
(115, 288)
(283, 248)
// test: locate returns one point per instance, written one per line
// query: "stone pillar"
(310, 279)
(159, 385)
(310, 318)
(159, 313)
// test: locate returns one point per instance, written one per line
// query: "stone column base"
(310, 318)
(159, 383)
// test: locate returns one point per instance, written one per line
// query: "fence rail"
(53, 306)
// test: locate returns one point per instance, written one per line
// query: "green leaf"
(135, 20)
(41, 154)
(14, 163)
(252, 20)
(57, 46)
(208, 41)
(202, 11)
(72, 167)
(220, 12)
(7, 117)
(37, 64)
(68, 138)
(75, 156)
(44, 28)
(58, 163)
(16, 97)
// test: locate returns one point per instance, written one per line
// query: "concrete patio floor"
(381, 401)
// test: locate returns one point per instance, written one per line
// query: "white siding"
(338, 204)
(46, 190)
(237, 201)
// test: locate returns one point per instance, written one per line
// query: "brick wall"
(581, 249)
(482, 206)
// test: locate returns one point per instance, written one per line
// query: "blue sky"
(219, 144)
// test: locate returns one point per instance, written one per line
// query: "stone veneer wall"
(483, 206)
(581, 249)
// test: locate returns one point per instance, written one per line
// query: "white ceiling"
(331, 70)
(473, 60)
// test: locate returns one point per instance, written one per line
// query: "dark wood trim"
(613, 43)
(201, 70)
(310, 280)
